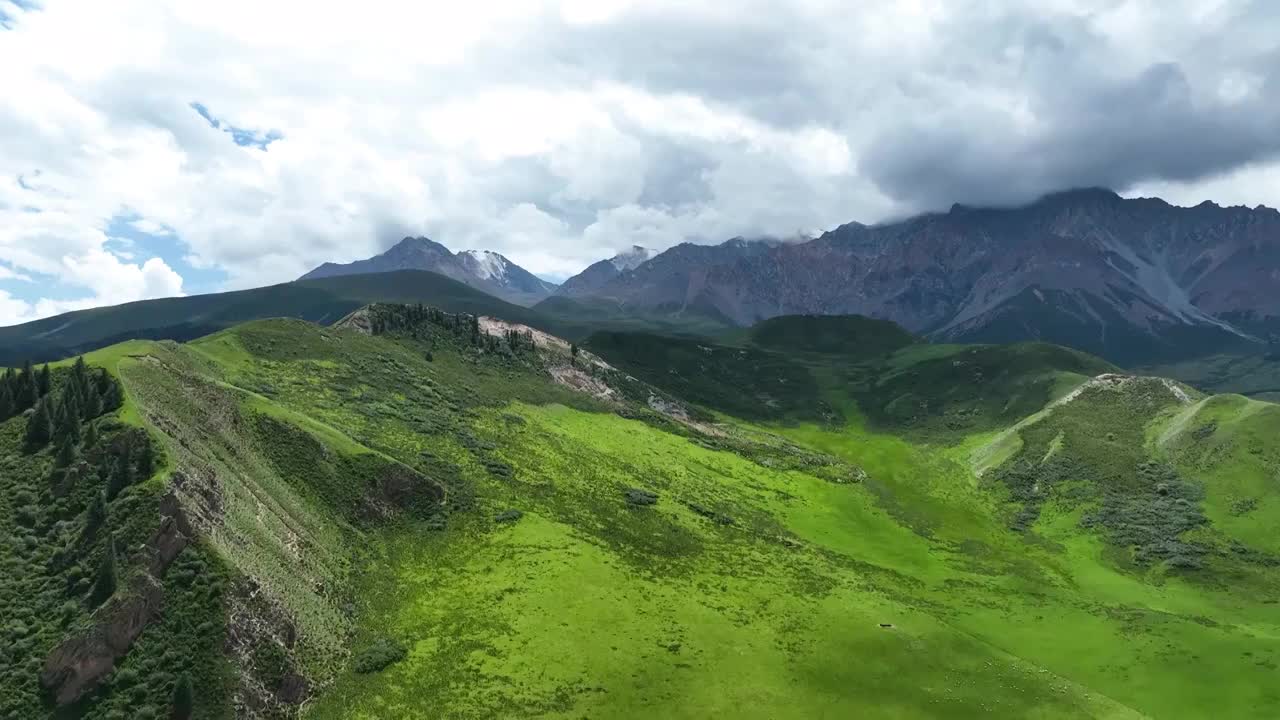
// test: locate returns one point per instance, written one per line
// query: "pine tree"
(92, 402)
(146, 459)
(121, 477)
(105, 584)
(44, 381)
(95, 517)
(40, 425)
(67, 453)
(6, 401)
(68, 425)
(111, 396)
(183, 698)
(80, 373)
(8, 382)
(91, 435)
(28, 391)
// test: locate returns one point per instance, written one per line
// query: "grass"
(848, 563)
(852, 337)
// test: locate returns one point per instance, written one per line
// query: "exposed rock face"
(77, 665)
(80, 662)
(482, 269)
(1131, 280)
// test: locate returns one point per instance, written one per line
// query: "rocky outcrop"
(81, 661)
(78, 664)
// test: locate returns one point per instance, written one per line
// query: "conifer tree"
(68, 425)
(80, 373)
(6, 401)
(67, 453)
(92, 403)
(91, 435)
(104, 586)
(95, 517)
(40, 425)
(44, 381)
(183, 698)
(121, 476)
(111, 396)
(27, 391)
(146, 459)
(7, 384)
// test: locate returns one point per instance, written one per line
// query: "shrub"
(640, 498)
(379, 656)
(507, 516)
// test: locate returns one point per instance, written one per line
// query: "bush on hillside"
(638, 497)
(378, 656)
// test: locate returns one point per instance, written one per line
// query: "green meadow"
(414, 520)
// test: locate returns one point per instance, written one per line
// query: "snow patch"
(488, 265)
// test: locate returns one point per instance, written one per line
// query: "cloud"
(262, 140)
(109, 280)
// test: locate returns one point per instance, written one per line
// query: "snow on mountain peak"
(488, 265)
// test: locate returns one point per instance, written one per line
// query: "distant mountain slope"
(322, 300)
(599, 274)
(482, 269)
(805, 368)
(1133, 280)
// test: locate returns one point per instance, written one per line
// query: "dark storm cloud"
(1009, 101)
(1153, 126)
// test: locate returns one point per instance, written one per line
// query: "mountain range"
(1137, 281)
(482, 269)
(599, 274)
(1133, 280)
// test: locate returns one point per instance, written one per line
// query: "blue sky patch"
(126, 240)
(6, 21)
(244, 137)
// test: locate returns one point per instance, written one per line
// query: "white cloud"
(109, 280)
(559, 132)
(150, 227)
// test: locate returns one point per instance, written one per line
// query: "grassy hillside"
(408, 516)
(851, 336)
(1256, 375)
(580, 316)
(797, 368)
(747, 382)
(321, 301)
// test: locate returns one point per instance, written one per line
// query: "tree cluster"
(520, 341)
(423, 322)
(58, 417)
(21, 390)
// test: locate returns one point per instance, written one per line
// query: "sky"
(152, 148)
